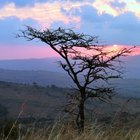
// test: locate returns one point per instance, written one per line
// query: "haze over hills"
(126, 87)
(131, 65)
(40, 77)
(45, 64)
(48, 72)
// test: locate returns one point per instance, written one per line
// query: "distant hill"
(131, 65)
(127, 87)
(40, 77)
(45, 64)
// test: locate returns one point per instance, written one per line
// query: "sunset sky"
(116, 22)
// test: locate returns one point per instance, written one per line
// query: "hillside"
(37, 100)
(50, 101)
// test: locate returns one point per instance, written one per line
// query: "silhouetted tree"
(84, 60)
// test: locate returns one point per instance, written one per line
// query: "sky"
(116, 22)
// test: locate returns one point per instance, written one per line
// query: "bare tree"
(84, 60)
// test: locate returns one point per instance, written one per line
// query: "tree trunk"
(81, 114)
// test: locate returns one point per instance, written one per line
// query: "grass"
(120, 127)
(63, 131)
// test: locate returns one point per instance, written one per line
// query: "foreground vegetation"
(63, 131)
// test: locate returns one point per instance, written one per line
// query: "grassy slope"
(39, 101)
(48, 100)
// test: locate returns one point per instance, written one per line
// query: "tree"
(84, 60)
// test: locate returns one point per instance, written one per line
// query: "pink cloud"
(49, 12)
(44, 13)
(104, 6)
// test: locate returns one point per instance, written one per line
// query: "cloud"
(126, 27)
(43, 13)
(121, 29)
(113, 20)
(47, 12)
(134, 7)
(104, 6)
(118, 4)
(117, 7)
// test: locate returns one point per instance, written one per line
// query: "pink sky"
(23, 52)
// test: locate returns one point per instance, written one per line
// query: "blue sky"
(116, 22)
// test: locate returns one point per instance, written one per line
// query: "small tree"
(84, 60)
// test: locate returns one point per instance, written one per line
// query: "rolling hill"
(50, 102)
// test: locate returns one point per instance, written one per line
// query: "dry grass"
(61, 131)
(70, 134)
